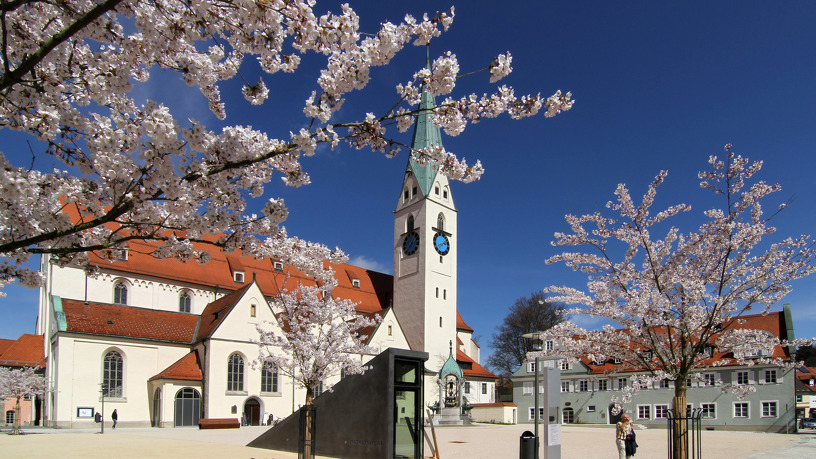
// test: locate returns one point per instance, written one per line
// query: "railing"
(684, 428)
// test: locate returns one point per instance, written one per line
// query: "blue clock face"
(441, 244)
(411, 243)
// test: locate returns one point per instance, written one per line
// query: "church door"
(188, 407)
(156, 408)
(252, 412)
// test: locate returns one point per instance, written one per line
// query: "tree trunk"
(16, 417)
(680, 424)
(307, 435)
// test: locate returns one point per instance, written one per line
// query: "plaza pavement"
(474, 442)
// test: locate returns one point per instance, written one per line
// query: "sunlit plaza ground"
(480, 441)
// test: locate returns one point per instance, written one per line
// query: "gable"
(231, 317)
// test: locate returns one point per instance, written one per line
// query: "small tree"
(678, 295)
(17, 383)
(315, 338)
(526, 315)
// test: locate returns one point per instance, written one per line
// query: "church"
(167, 343)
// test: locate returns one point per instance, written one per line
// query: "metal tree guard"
(302, 442)
(693, 431)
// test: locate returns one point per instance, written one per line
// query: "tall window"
(410, 224)
(603, 384)
(583, 385)
(269, 378)
(120, 293)
(235, 373)
(112, 375)
(565, 386)
(740, 409)
(484, 388)
(770, 376)
(440, 222)
(184, 302)
(742, 377)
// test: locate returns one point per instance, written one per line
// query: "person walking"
(115, 418)
(623, 431)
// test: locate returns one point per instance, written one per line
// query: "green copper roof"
(425, 134)
(451, 367)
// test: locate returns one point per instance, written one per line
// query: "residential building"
(587, 388)
(24, 352)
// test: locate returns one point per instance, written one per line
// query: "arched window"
(235, 373)
(120, 292)
(184, 302)
(112, 375)
(440, 222)
(269, 378)
(188, 407)
(410, 224)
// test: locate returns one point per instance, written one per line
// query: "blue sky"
(658, 85)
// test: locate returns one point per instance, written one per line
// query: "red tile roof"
(475, 369)
(460, 323)
(5, 344)
(129, 321)
(26, 351)
(374, 293)
(773, 322)
(187, 368)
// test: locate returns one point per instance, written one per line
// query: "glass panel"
(405, 372)
(406, 434)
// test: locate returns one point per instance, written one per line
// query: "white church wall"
(80, 374)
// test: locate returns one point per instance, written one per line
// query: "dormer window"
(436, 190)
(278, 266)
(616, 361)
(355, 283)
(238, 277)
(647, 355)
(120, 254)
(414, 191)
(405, 195)
(445, 194)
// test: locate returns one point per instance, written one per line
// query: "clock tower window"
(440, 222)
(410, 224)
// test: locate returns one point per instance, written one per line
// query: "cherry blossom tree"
(18, 382)
(677, 296)
(315, 338)
(133, 170)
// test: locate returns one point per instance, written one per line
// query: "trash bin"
(97, 417)
(528, 445)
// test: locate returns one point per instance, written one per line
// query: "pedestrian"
(115, 418)
(624, 432)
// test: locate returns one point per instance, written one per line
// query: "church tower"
(425, 242)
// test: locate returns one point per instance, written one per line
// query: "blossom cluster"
(71, 72)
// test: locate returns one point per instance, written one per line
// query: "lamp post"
(537, 346)
(103, 388)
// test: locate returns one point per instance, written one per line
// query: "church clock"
(411, 243)
(441, 243)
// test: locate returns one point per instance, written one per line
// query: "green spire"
(425, 134)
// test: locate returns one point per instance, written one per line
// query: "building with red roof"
(24, 352)
(168, 342)
(587, 387)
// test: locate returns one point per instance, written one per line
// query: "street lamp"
(538, 344)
